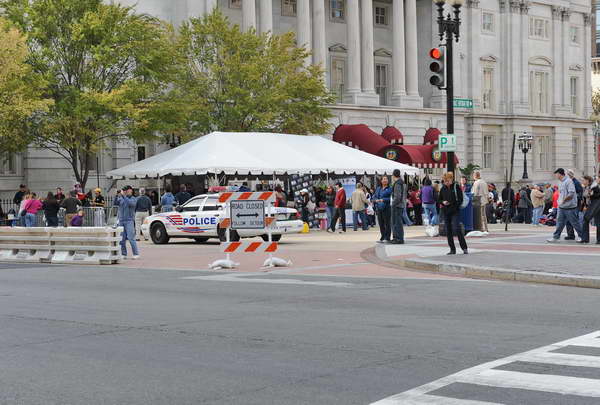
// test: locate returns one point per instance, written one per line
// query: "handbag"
(465, 200)
(24, 211)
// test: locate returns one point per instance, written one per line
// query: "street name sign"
(463, 103)
(247, 214)
(447, 143)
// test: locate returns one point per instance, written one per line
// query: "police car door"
(189, 216)
(210, 215)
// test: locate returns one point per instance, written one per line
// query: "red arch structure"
(393, 135)
(364, 138)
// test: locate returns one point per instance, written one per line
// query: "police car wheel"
(233, 235)
(159, 235)
(200, 240)
(274, 238)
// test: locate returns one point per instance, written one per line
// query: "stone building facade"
(525, 64)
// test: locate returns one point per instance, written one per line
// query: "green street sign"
(463, 103)
(447, 143)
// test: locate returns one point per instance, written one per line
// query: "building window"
(576, 145)
(141, 153)
(338, 78)
(381, 83)
(8, 163)
(487, 22)
(538, 92)
(574, 35)
(488, 89)
(539, 28)
(235, 3)
(337, 10)
(381, 15)
(488, 152)
(574, 102)
(289, 8)
(542, 145)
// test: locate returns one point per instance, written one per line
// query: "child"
(77, 220)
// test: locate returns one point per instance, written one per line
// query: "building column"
(210, 6)
(475, 71)
(353, 62)
(319, 36)
(248, 14)
(398, 54)
(368, 59)
(304, 27)
(587, 67)
(515, 49)
(524, 76)
(564, 62)
(556, 51)
(412, 61)
(266, 16)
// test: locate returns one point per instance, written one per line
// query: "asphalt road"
(103, 335)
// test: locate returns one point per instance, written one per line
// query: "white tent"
(260, 153)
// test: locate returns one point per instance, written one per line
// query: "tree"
(469, 169)
(596, 105)
(242, 81)
(107, 71)
(20, 89)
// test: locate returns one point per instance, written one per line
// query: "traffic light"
(437, 67)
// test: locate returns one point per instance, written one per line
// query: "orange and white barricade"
(229, 247)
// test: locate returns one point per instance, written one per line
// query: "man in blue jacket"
(126, 214)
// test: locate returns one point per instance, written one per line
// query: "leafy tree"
(107, 70)
(241, 81)
(469, 169)
(20, 89)
(596, 105)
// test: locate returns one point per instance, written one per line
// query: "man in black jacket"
(398, 207)
(19, 195)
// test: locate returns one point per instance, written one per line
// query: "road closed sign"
(247, 214)
(447, 143)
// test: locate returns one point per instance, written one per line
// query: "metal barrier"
(83, 245)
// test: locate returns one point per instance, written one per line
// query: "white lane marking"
(243, 278)
(585, 387)
(561, 359)
(435, 400)
(484, 375)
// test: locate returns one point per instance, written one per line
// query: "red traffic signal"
(437, 67)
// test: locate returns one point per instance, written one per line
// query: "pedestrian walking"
(370, 210)
(538, 201)
(51, 206)
(329, 205)
(340, 208)
(567, 206)
(398, 207)
(302, 203)
(143, 209)
(591, 196)
(359, 204)
(414, 197)
(126, 216)
(579, 193)
(508, 201)
(451, 198)
(167, 200)
(480, 200)
(383, 210)
(71, 205)
(429, 202)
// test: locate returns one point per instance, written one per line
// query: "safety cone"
(305, 228)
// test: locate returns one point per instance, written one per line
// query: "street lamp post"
(525, 140)
(449, 28)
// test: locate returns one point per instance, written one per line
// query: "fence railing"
(92, 217)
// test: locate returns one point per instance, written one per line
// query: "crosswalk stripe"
(433, 400)
(487, 374)
(585, 387)
(561, 359)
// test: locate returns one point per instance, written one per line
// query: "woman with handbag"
(451, 198)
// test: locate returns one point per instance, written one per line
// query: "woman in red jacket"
(340, 208)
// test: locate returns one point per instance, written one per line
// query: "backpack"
(465, 199)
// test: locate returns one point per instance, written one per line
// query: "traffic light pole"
(449, 98)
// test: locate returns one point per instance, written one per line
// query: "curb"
(494, 273)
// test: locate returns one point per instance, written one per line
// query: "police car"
(199, 219)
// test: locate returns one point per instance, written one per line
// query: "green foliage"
(469, 169)
(241, 81)
(20, 90)
(596, 105)
(107, 70)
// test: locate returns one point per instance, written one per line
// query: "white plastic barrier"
(28, 245)
(82, 245)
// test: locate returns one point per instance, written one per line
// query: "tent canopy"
(260, 153)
